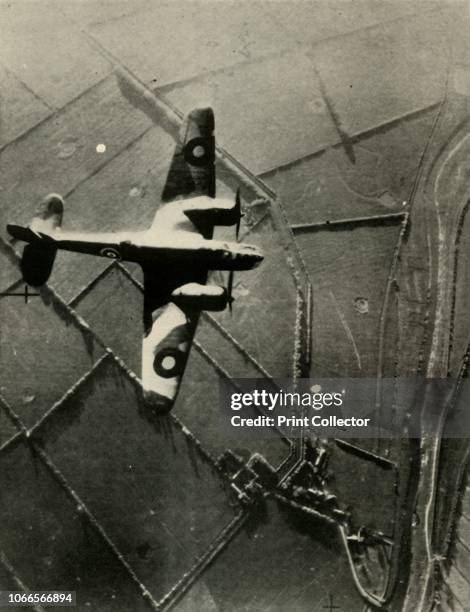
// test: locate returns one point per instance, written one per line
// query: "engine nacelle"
(203, 211)
(200, 297)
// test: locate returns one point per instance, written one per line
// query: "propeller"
(239, 214)
(238, 210)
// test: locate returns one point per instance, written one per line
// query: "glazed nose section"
(257, 258)
(253, 255)
(236, 256)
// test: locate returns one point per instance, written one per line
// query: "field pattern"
(340, 171)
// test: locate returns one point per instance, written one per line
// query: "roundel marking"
(198, 152)
(169, 362)
(110, 252)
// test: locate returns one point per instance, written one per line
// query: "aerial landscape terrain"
(346, 127)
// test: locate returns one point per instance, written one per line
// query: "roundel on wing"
(198, 152)
(169, 362)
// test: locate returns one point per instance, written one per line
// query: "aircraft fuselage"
(209, 254)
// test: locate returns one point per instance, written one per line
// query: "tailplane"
(25, 234)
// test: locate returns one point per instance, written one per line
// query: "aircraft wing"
(165, 351)
(169, 329)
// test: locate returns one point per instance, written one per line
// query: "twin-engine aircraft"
(176, 254)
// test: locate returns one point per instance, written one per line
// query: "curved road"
(443, 201)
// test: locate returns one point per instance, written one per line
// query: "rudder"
(37, 263)
(38, 256)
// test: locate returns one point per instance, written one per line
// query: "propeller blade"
(238, 208)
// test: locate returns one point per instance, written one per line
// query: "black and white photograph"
(235, 305)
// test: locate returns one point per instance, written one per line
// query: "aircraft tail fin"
(37, 262)
(39, 254)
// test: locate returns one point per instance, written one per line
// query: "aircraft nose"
(252, 255)
(257, 258)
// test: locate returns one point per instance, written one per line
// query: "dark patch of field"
(51, 544)
(370, 495)
(125, 474)
(113, 309)
(198, 406)
(277, 563)
(9, 270)
(32, 381)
